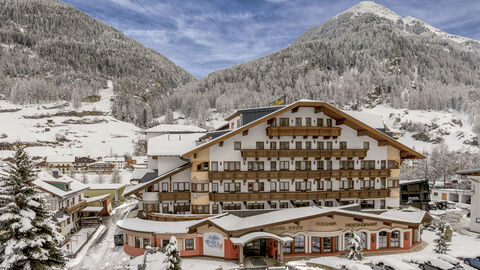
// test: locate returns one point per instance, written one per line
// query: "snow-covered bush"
(441, 243)
(354, 247)
(173, 260)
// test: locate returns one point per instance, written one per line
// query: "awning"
(242, 240)
(93, 209)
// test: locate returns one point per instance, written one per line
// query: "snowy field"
(91, 135)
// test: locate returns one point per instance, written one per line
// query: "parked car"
(432, 206)
(473, 262)
(382, 266)
(437, 264)
(118, 239)
(442, 205)
(453, 261)
(391, 264)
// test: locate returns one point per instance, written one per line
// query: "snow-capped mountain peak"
(365, 7)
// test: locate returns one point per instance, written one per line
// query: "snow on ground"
(93, 136)
(449, 127)
(84, 250)
(155, 262)
(79, 238)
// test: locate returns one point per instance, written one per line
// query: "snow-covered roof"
(371, 119)
(164, 128)
(61, 159)
(48, 177)
(172, 144)
(143, 225)
(106, 186)
(75, 186)
(140, 159)
(140, 173)
(114, 159)
(60, 216)
(410, 182)
(94, 209)
(97, 198)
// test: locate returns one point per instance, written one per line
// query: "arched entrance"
(260, 244)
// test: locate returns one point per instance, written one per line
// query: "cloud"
(202, 36)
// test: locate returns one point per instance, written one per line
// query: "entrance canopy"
(242, 240)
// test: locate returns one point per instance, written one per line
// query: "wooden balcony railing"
(304, 131)
(174, 196)
(309, 195)
(245, 175)
(317, 153)
(76, 207)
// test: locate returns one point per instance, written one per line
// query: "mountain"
(365, 56)
(50, 51)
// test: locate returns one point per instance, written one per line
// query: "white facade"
(475, 207)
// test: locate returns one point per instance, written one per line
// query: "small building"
(65, 198)
(81, 164)
(102, 203)
(101, 167)
(415, 193)
(452, 195)
(118, 162)
(137, 162)
(292, 232)
(115, 190)
(474, 176)
(62, 163)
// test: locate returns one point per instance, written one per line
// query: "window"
(283, 204)
(214, 167)
(255, 166)
(327, 245)
(255, 206)
(395, 239)
(273, 145)
(329, 145)
(303, 165)
(146, 242)
(308, 145)
(231, 165)
(220, 144)
(319, 122)
(303, 186)
(284, 122)
(382, 240)
(137, 242)
(392, 164)
(382, 183)
(299, 243)
(260, 146)
(273, 186)
(298, 145)
(273, 165)
(320, 185)
(200, 209)
(368, 164)
(165, 187)
(343, 145)
(346, 164)
(383, 164)
(215, 209)
(284, 165)
(215, 187)
(256, 186)
(237, 145)
(287, 247)
(320, 145)
(298, 121)
(189, 244)
(308, 121)
(329, 165)
(320, 164)
(316, 244)
(329, 122)
(284, 145)
(329, 187)
(366, 145)
(392, 183)
(284, 186)
(363, 238)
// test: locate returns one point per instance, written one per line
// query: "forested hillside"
(50, 51)
(362, 57)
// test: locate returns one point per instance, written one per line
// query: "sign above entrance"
(363, 224)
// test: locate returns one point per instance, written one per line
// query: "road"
(103, 254)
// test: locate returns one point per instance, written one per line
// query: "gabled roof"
(172, 144)
(43, 177)
(61, 159)
(329, 110)
(133, 189)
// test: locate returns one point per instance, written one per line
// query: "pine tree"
(30, 239)
(354, 247)
(441, 243)
(173, 260)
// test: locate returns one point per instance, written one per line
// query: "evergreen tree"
(354, 247)
(441, 243)
(173, 260)
(30, 239)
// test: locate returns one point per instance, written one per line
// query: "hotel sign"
(285, 228)
(362, 224)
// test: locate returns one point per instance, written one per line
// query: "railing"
(304, 131)
(76, 207)
(245, 175)
(317, 153)
(309, 195)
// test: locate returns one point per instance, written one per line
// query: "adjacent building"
(172, 129)
(308, 153)
(64, 164)
(118, 162)
(81, 164)
(114, 190)
(415, 193)
(474, 176)
(101, 167)
(65, 198)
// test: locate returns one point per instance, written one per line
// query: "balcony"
(174, 196)
(304, 196)
(245, 175)
(316, 153)
(76, 207)
(304, 131)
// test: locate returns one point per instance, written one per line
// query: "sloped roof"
(61, 159)
(106, 186)
(144, 225)
(75, 186)
(97, 198)
(172, 144)
(165, 128)
(331, 111)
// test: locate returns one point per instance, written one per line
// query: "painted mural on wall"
(213, 244)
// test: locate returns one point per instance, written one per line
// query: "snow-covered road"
(103, 254)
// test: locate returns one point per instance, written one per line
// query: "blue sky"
(202, 36)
